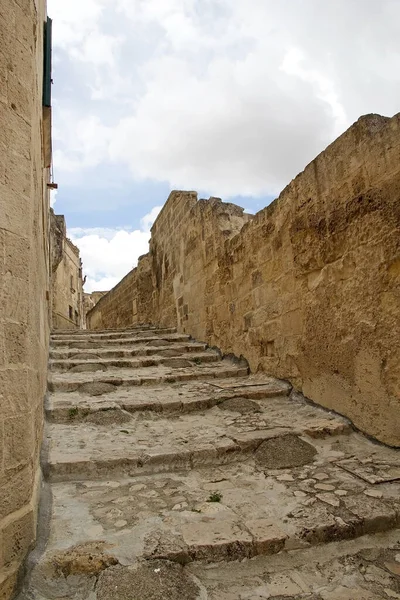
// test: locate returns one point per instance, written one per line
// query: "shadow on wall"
(307, 290)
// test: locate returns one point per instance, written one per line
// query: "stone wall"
(129, 303)
(308, 290)
(67, 285)
(90, 300)
(24, 279)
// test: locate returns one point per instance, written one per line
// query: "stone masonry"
(174, 474)
(25, 157)
(67, 278)
(307, 290)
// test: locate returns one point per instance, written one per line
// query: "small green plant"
(73, 412)
(197, 361)
(215, 497)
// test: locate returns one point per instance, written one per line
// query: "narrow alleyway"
(171, 468)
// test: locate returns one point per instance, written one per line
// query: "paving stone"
(373, 493)
(217, 540)
(156, 580)
(240, 405)
(267, 537)
(329, 499)
(285, 451)
(324, 487)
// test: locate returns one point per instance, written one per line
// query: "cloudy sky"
(231, 98)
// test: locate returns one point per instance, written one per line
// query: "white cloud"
(53, 198)
(98, 49)
(147, 221)
(229, 96)
(74, 20)
(86, 140)
(109, 254)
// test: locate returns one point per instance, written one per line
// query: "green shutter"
(47, 63)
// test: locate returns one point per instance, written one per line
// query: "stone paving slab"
(363, 569)
(109, 364)
(85, 332)
(177, 398)
(226, 512)
(88, 342)
(108, 334)
(144, 376)
(139, 350)
(119, 441)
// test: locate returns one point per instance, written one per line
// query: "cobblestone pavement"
(171, 473)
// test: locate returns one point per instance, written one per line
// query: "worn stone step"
(128, 341)
(365, 568)
(90, 334)
(227, 511)
(110, 364)
(142, 376)
(114, 442)
(162, 348)
(195, 396)
(66, 332)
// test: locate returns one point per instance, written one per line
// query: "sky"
(230, 98)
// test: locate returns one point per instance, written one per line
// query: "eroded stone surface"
(89, 558)
(240, 405)
(203, 465)
(156, 580)
(284, 452)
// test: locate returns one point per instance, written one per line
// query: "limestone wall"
(129, 303)
(24, 279)
(67, 286)
(90, 300)
(309, 289)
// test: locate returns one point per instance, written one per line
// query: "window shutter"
(47, 62)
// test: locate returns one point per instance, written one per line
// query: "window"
(47, 63)
(71, 313)
(76, 317)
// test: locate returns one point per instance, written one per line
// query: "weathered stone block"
(15, 344)
(18, 441)
(17, 537)
(13, 391)
(14, 298)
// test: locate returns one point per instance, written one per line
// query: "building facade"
(67, 279)
(90, 301)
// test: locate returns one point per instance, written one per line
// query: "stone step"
(230, 395)
(144, 327)
(84, 382)
(113, 442)
(214, 509)
(90, 334)
(128, 341)
(162, 348)
(110, 364)
(365, 568)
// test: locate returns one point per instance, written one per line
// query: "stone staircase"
(174, 474)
